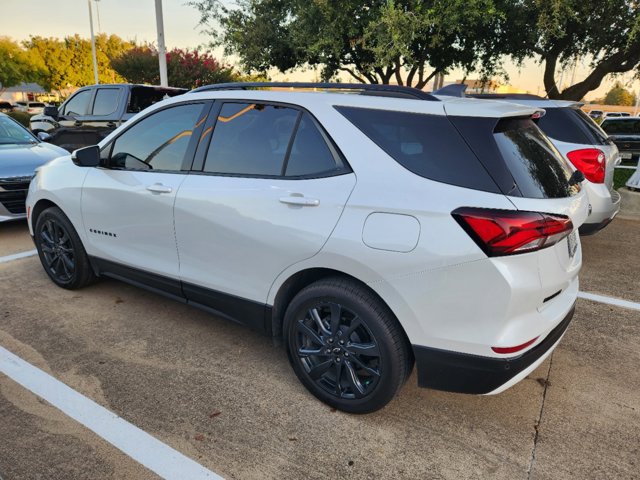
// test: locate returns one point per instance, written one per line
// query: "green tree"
(606, 34)
(69, 61)
(618, 95)
(375, 41)
(17, 65)
(185, 68)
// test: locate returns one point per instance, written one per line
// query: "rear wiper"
(576, 178)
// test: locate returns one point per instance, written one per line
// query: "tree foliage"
(375, 41)
(185, 68)
(618, 95)
(17, 65)
(606, 34)
(69, 61)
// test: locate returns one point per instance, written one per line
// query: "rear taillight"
(508, 232)
(589, 161)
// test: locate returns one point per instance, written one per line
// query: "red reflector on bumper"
(515, 349)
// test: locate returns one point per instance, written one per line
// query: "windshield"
(12, 132)
(622, 127)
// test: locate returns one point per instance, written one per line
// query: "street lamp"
(162, 55)
(93, 45)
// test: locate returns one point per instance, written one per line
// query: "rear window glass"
(622, 127)
(537, 167)
(571, 125)
(106, 101)
(427, 145)
(36, 104)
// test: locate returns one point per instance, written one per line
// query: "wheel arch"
(39, 207)
(303, 278)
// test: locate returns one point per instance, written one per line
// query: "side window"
(250, 139)
(310, 153)
(159, 141)
(78, 104)
(106, 101)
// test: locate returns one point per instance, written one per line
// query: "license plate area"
(626, 155)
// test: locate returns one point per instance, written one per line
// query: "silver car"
(20, 154)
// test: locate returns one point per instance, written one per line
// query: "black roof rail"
(365, 88)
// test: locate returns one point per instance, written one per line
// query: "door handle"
(77, 123)
(111, 124)
(299, 200)
(159, 188)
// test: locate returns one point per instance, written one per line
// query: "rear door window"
(250, 139)
(106, 101)
(571, 125)
(310, 154)
(537, 167)
(427, 145)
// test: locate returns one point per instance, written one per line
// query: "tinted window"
(106, 101)
(36, 104)
(427, 145)
(250, 139)
(78, 104)
(571, 125)
(310, 153)
(537, 167)
(158, 142)
(622, 127)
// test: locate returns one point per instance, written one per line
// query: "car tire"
(61, 251)
(346, 346)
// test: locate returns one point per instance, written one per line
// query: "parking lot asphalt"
(227, 398)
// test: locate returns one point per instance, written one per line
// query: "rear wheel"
(345, 345)
(60, 250)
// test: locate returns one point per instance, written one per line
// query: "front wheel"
(61, 251)
(345, 346)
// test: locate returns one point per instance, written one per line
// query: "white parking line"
(139, 445)
(618, 302)
(17, 256)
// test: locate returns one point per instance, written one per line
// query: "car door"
(127, 205)
(266, 195)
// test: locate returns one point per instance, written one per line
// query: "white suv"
(367, 227)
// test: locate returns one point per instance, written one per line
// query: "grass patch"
(620, 177)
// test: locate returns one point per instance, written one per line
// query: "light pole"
(93, 45)
(162, 55)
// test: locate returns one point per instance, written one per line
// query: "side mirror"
(51, 112)
(87, 156)
(44, 136)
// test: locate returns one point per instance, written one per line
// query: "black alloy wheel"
(338, 351)
(61, 251)
(57, 250)
(346, 346)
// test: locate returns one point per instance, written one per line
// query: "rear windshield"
(427, 145)
(537, 167)
(572, 125)
(36, 104)
(622, 127)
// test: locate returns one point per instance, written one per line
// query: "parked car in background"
(32, 108)
(93, 112)
(625, 133)
(5, 107)
(581, 141)
(20, 154)
(615, 114)
(596, 114)
(365, 230)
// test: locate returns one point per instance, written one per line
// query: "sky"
(135, 19)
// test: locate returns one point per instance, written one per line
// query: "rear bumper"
(463, 373)
(600, 219)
